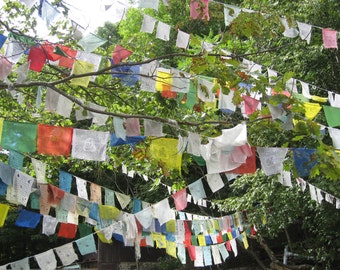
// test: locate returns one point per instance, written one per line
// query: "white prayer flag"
(163, 212)
(40, 170)
(89, 144)
(46, 260)
(182, 40)
(21, 264)
(272, 159)
(197, 190)
(194, 143)
(148, 4)
(57, 103)
(305, 90)
(145, 217)
(49, 225)
(234, 246)
(312, 192)
(226, 101)
(230, 13)
(153, 128)
(215, 182)
(334, 133)
(163, 31)
(305, 31)
(148, 24)
(123, 199)
(289, 31)
(66, 254)
(81, 188)
(98, 118)
(216, 254)
(285, 178)
(334, 99)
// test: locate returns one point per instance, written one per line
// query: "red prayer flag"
(199, 9)
(228, 245)
(250, 104)
(180, 199)
(67, 230)
(54, 140)
(55, 194)
(37, 58)
(192, 252)
(120, 53)
(69, 60)
(48, 49)
(249, 166)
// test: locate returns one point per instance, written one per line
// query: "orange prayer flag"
(54, 140)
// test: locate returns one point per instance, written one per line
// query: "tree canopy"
(234, 104)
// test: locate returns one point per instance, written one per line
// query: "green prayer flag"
(21, 137)
(332, 115)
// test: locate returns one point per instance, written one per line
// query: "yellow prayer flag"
(264, 220)
(3, 213)
(171, 226)
(82, 67)
(230, 235)
(101, 236)
(108, 211)
(311, 110)
(1, 125)
(201, 240)
(163, 81)
(319, 99)
(160, 240)
(245, 240)
(164, 150)
(171, 249)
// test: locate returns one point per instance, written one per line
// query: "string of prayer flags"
(304, 160)
(89, 144)
(20, 137)
(119, 54)
(3, 213)
(199, 9)
(332, 115)
(90, 42)
(180, 199)
(148, 24)
(272, 159)
(305, 31)
(163, 31)
(5, 68)
(66, 254)
(54, 140)
(28, 219)
(330, 38)
(164, 151)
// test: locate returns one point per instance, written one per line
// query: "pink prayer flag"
(5, 68)
(250, 104)
(180, 199)
(330, 39)
(132, 127)
(199, 9)
(37, 58)
(119, 54)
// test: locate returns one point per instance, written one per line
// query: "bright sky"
(89, 14)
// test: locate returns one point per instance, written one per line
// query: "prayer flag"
(67, 230)
(332, 115)
(81, 67)
(311, 109)
(199, 262)
(207, 256)
(215, 182)
(124, 200)
(20, 137)
(148, 24)
(230, 13)
(305, 31)
(96, 193)
(22, 187)
(162, 211)
(289, 31)
(330, 38)
(180, 198)
(46, 260)
(334, 133)
(81, 188)
(163, 31)
(91, 42)
(54, 140)
(6, 173)
(272, 159)
(86, 245)
(5, 68)
(119, 54)
(66, 254)
(109, 212)
(153, 128)
(2, 40)
(182, 40)
(250, 104)
(89, 144)
(109, 198)
(22, 264)
(197, 190)
(171, 249)
(28, 219)
(37, 58)
(49, 225)
(145, 217)
(304, 160)
(3, 213)
(47, 12)
(148, 4)
(199, 9)
(164, 151)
